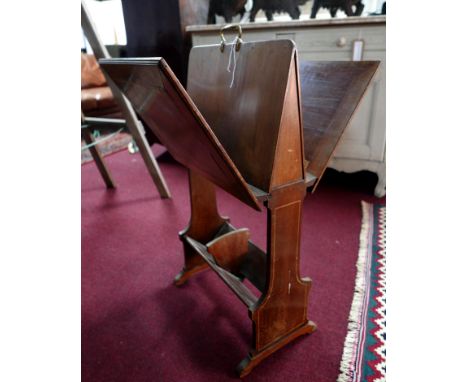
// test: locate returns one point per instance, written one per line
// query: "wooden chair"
(133, 124)
(242, 131)
(87, 135)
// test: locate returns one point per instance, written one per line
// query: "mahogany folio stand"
(241, 129)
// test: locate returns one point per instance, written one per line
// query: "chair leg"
(100, 51)
(88, 137)
(149, 159)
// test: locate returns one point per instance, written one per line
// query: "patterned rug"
(115, 143)
(364, 354)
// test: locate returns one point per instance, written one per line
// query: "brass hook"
(238, 39)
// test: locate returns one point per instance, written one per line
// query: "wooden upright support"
(241, 129)
(205, 222)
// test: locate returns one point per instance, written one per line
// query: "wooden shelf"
(254, 266)
(233, 282)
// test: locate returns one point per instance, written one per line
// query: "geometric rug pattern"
(364, 353)
(106, 146)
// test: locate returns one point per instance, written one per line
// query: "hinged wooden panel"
(245, 117)
(331, 92)
(164, 105)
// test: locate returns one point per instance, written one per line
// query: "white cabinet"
(363, 144)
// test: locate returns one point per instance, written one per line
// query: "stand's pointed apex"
(288, 163)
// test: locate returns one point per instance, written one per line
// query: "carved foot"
(380, 189)
(185, 274)
(254, 358)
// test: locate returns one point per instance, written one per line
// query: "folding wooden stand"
(246, 138)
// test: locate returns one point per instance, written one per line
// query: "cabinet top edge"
(359, 20)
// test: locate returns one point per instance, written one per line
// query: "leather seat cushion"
(96, 98)
(91, 74)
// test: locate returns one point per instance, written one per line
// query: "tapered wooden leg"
(280, 315)
(88, 137)
(205, 222)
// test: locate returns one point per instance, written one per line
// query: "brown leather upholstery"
(96, 97)
(91, 74)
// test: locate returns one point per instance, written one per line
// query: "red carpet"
(137, 326)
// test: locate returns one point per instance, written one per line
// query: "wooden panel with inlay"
(165, 106)
(240, 127)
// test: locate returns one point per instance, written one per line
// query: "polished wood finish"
(258, 121)
(362, 146)
(331, 92)
(158, 97)
(230, 249)
(240, 111)
(255, 357)
(253, 132)
(205, 222)
(244, 294)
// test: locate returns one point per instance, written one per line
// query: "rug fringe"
(347, 369)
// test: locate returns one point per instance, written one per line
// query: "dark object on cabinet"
(335, 5)
(383, 11)
(156, 28)
(226, 8)
(256, 153)
(291, 7)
